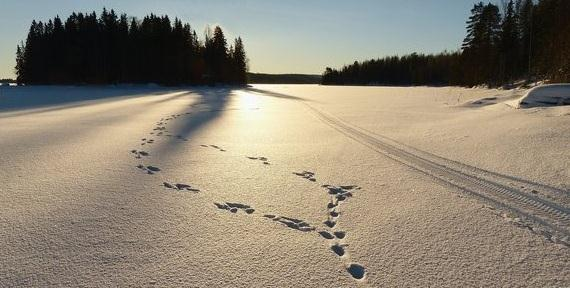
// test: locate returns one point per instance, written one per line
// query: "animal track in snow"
(357, 271)
(307, 175)
(330, 223)
(180, 187)
(171, 117)
(218, 147)
(139, 153)
(340, 234)
(234, 207)
(215, 147)
(148, 169)
(264, 160)
(326, 235)
(330, 236)
(180, 137)
(338, 249)
(332, 204)
(146, 141)
(334, 214)
(342, 192)
(339, 194)
(292, 223)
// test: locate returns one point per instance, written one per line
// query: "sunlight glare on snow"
(247, 101)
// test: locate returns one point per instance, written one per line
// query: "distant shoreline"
(264, 78)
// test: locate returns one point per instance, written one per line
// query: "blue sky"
(293, 36)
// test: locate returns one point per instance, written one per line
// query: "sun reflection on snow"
(247, 101)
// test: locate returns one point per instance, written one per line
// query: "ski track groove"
(482, 185)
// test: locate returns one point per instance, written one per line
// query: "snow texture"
(282, 186)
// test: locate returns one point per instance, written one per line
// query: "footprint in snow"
(338, 249)
(146, 141)
(357, 271)
(148, 169)
(292, 223)
(330, 223)
(342, 192)
(264, 160)
(307, 175)
(235, 207)
(180, 137)
(215, 147)
(180, 187)
(330, 236)
(340, 234)
(326, 235)
(139, 153)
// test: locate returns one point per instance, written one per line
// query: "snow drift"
(546, 95)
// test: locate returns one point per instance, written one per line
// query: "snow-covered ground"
(546, 95)
(282, 186)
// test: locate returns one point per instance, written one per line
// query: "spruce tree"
(509, 45)
(240, 62)
(525, 24)
(20, 64)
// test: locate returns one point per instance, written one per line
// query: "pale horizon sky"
(294, 36)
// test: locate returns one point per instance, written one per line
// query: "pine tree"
(134, 53)
(474, 28)
(20, 64)
(58, 54)
(240, 62)
(122, 43)
(480, 45)
(31, 63)
(525, 25)
(509, 45)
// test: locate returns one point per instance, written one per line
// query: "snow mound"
(546, 95)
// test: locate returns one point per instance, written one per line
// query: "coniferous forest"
(522, 39)
(112, 49)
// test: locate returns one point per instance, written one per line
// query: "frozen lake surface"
(282, 185)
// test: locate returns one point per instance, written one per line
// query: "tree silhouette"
(509, 50)
(111, 48)
(239, 62)
(528, 40)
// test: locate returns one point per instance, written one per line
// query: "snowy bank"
(546, 95)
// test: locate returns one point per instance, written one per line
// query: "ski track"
(540, 215)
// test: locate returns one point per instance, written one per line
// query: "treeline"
(413, 69)
(111, 48)
(263, 78)
(520, 40)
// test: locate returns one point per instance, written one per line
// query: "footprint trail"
(337, 196)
